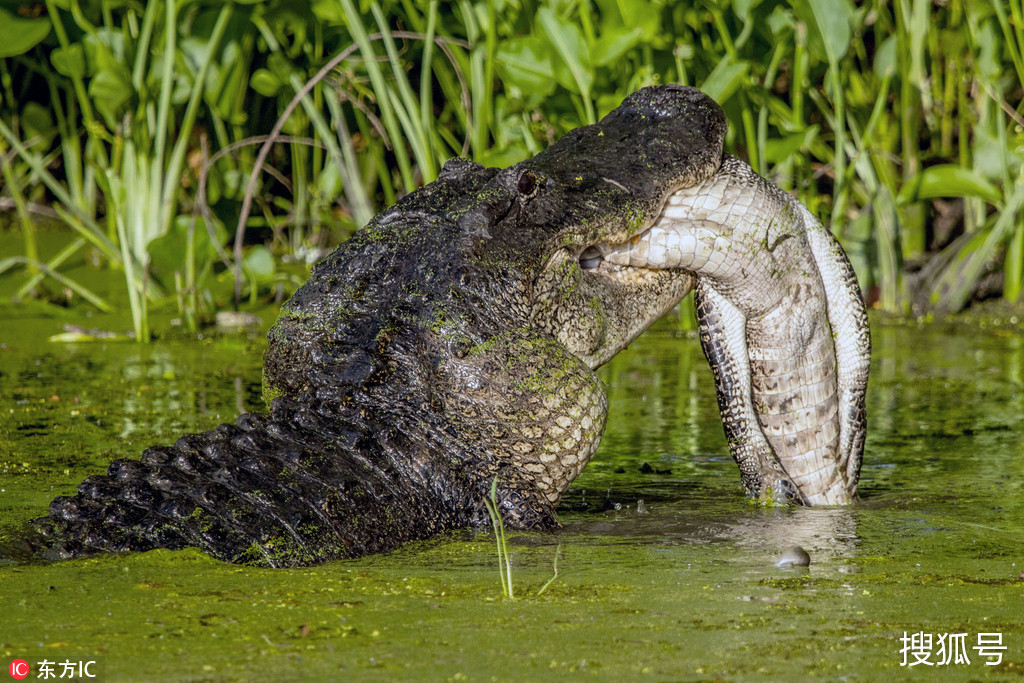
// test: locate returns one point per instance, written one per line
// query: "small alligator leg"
(723, 338)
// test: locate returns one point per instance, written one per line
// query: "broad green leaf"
(109, 90)
(69, 61)
(828, 23)
(778, 150)
(780, 21)
(743, 8)
(640, 14)
(572, 70)
(280, 66)
(724, 79)
(503, 157)
(291, 26)
(634, 14)
(37, 123)
(948, 180)
(297, 123)
(613, 44)
(328, 11)
(167, 253)
(104, 49)
(329, 182)
(265, 83)
(259, 263)
(989, 59)
(609, 101)
(991, 157)
(18, 35)
(885, 57)
(234, 181)
(524, 63)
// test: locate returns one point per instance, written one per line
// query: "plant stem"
(504, 564)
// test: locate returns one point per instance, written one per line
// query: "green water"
(683, 588)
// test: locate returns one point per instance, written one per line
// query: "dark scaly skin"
(451, 341)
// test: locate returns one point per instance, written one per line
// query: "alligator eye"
(527, 185)
(590, 258)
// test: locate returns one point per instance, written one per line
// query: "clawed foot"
(779, 491)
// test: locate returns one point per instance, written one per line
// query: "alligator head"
(450, 342)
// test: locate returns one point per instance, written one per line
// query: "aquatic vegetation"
(686, 591)
(554, 569)
(900, 124)
(500, 541)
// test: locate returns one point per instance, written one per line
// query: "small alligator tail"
(798, 411)
(285, 490)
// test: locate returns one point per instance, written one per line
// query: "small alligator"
(454, 339)
(782, 323)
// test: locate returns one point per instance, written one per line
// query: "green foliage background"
(899, 124)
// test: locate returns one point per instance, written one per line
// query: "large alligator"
(454, 340)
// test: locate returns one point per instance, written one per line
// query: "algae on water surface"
(681, 587)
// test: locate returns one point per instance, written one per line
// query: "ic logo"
(19, 669)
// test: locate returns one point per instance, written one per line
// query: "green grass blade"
(358, 31)
(82, 221)
(172, 175)
(426, 104)
(948, 180)
(1013, 266)
(405, 103)
(958, 280)
(348, 167)
(54, 263)
(76, 287)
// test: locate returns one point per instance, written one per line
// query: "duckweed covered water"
(679, 587)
